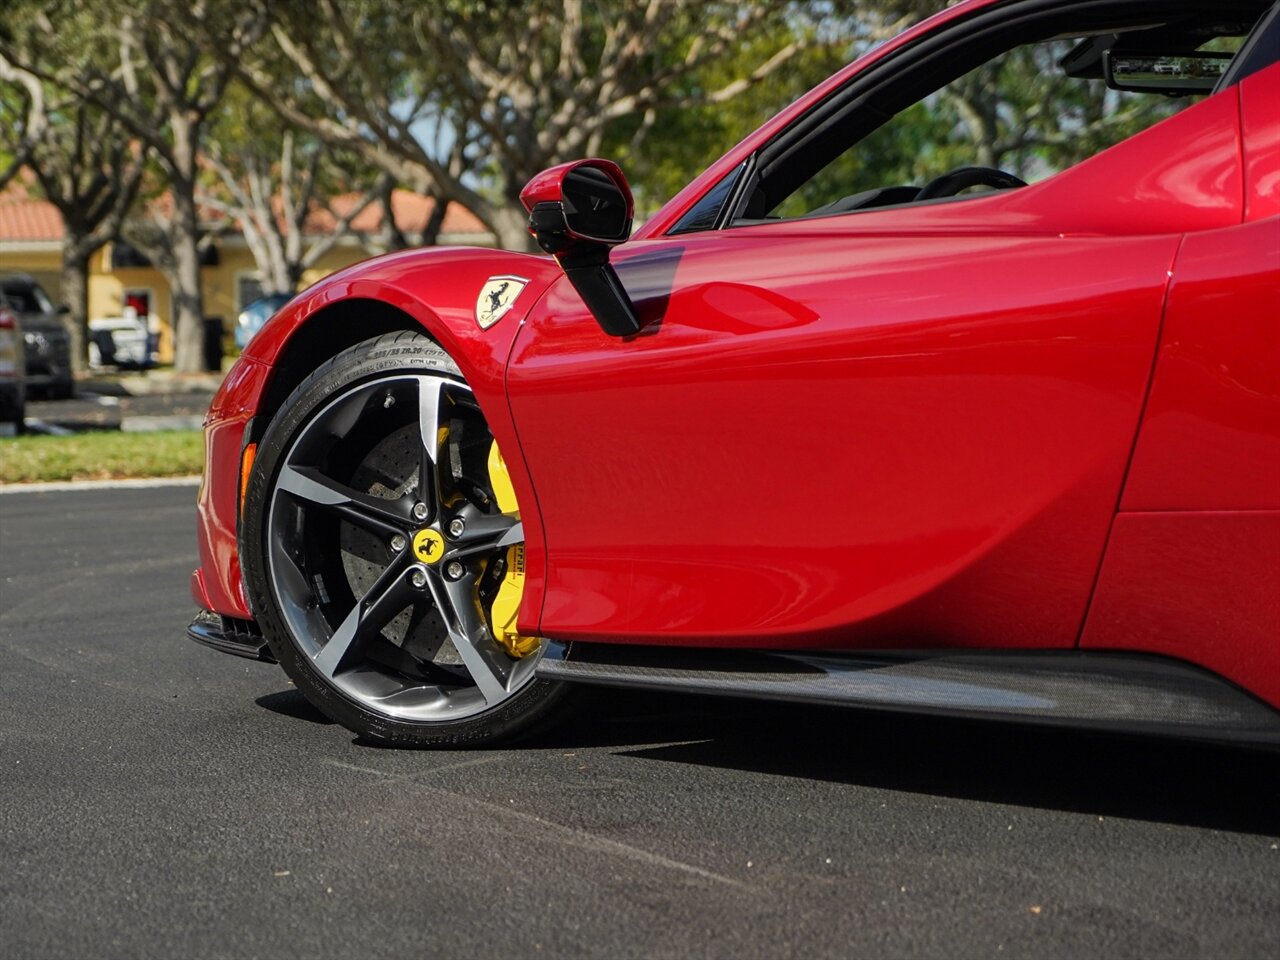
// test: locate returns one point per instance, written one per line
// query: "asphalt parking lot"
(159, 799)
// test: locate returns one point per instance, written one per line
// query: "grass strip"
(106, 455)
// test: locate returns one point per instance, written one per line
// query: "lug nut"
(456, 526)
(454, 570)
(419, 511)
(398, 543)
(418, 579)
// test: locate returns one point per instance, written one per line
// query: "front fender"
(436, 286)
(438, 289)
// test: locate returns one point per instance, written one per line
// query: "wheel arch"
(432, 292)
(330, 330)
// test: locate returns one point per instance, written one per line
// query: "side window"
(1020, 116)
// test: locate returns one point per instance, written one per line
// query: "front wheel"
(383, 552)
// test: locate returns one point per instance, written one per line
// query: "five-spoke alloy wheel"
(377, 536)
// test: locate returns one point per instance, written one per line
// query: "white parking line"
(36, 425)
(74, 485)
(102, 400)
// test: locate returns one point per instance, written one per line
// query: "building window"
(248, 289)
(139, 299)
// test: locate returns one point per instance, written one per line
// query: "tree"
(138, 61)
(460, 105)
(86, 164)
(662, 150)
(165, 91)
(271, 182)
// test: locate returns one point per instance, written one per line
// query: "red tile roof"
(26, 219)
(411, 210)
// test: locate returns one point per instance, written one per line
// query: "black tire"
(306, 560)
(63, 388)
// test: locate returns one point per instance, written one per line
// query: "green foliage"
(664, 151)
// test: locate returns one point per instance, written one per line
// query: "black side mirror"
(578, 212)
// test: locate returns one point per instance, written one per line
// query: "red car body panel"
(1211, 435)
(904, 427)
(217, 585)
(1260, 136)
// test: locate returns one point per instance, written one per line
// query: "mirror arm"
(592, 275)
(586, 264)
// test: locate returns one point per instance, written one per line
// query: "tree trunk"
(431, 229)
(280, 272)
(188, 303)
(75, 294)
(285, 275)
(511, 225)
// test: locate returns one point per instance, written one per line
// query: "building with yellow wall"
(31, 242)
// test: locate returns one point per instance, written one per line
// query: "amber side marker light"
(246, 467)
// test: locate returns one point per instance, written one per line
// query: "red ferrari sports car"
(974, 441)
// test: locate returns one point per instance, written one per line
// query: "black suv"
(47, 341)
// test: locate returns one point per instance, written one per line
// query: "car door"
(906, 427)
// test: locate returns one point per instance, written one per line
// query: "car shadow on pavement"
(291, 703)
(1154, 779)
(1145, 778)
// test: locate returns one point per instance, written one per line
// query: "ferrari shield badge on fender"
(496, 298)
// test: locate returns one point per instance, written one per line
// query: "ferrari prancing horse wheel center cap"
(428, 546)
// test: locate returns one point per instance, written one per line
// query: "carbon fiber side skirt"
(1112, 691)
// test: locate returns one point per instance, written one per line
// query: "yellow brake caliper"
(506, 602)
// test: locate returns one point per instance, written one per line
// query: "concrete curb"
(150, 424)
(72, 486)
